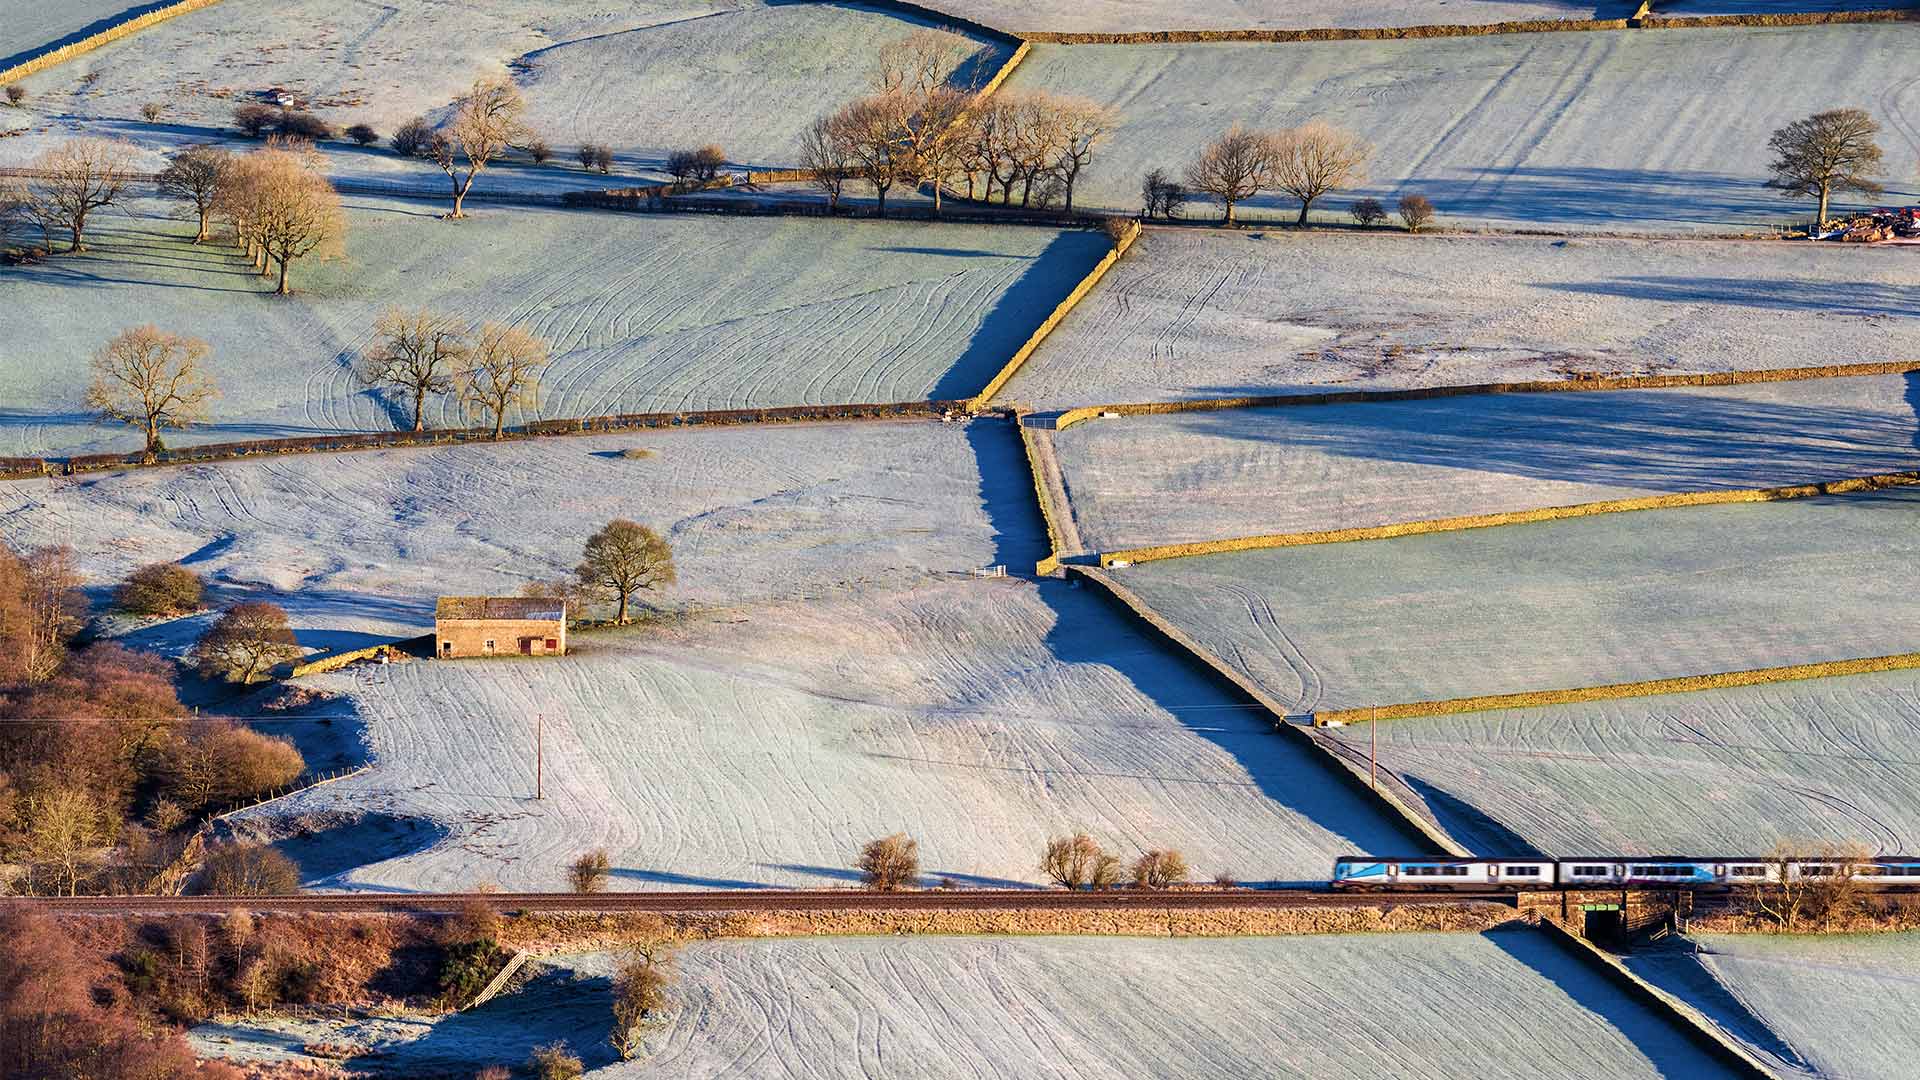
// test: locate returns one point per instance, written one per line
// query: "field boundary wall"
(1511, 517)
(1060, 312)
(589, 425)
(62, 54)
(1051, 564)
(1328, 33)
(1241, 686)
(1655, 21)
(1682, 684)
(1540, 386)
(1699, 1030)
(337, 660)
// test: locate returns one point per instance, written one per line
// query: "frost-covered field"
(1585, 130)
(644, 79)
(1121, 16)
(1505, 1004)
(1199, 314)
(1582, 602)
(1829, 1007)
(761, 745)
(644, 313)
(362, 543)
(1725, 771)
(1184, 477)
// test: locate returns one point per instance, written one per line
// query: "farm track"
(751, 900)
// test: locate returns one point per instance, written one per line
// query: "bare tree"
(1161, 195)
(16, 94)
(623, 558)
(1233, 168)
(1416, 211)
(284, 209)
(935, 137)
(195, 176)
(416, 353)
(486, 123)
(1038, 140)
(827, 158)
(1077, 861)
(245, 642)
(63, 826)
(1083, 126)
(1367, 212)
(700, 165)
(413, 138)
(1827, 152)
(76, 178)
(502, 373)
(1825, 893)
(920, 63)
(890, 863)
(1316, 158)
(152, 111)
(363, 134)
(51, 607)
(1159, 869)
(868, 129)
(588, 873)
(151, 379)
(239, 868)
(640, 995)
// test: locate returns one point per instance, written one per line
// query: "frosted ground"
(360, 544)
(1120, 16)
(645, 313)
(761, 745)
(1203, 314)
(1725, 771)
(1606, 599)
(1833, 1007)
(1184, 477)
(1624, 131)
(1505, 1004)
(642, 79)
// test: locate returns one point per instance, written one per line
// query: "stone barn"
(499, 626)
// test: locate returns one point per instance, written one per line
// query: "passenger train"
(1428, 873)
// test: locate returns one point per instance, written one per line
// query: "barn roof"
(530, 608)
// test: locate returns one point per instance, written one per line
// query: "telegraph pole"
(539, 756)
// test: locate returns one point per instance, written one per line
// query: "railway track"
(751, 900)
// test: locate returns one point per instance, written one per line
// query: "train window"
(1591, 871)
(1520, 871)
(1816, 871)
(1749, 871)
(1654, 870)
(1454, 871)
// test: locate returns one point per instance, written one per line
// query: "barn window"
(553, 644)
(489, 644)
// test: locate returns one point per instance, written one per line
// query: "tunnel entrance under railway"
(1612, 918)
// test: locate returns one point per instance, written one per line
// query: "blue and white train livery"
(1429, 873)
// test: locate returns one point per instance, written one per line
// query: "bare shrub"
(588, 873)
(1159, 869)
(501, 373)
(196, 176)
(152, 111)
(1078, 861)
(16, 94)
(1233, 168)
(1367, 212)
(219, 762)
(412, 138)
(587, 154)
(1827, 152)
(245, 642)
(1161, 195)
(603, 159)
(638, 453)
(1316, 158)
(494, 1072)
(241, 869)
(303, 125)
(1116, 228)
(160, 589)
(696, 166)
(1416, 211)
(623, 558)
(150, 379)
(474, 920)
(555, 1061)
(890, 863)
(255, 120)
(640, 995)
(539, 151)
(363, 134)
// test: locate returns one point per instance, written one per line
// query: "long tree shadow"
(1776, 294)
(1669, 1049)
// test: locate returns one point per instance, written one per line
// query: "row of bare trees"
(919, 126)
(490, 369)
(1305, 162)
